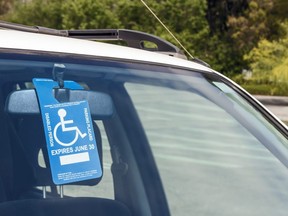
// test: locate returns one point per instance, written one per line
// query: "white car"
(91, 128)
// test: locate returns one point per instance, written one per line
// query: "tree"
(5, 6)
(269, 63)
(246, 30)
(221, 32)
(240, 25)
(265, 57)
(65, 14)
(280, 9)
(89, 14)
(225, 56)
(186, 19)
(46, 13)
(218, 12)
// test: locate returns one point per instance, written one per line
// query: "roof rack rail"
(135, 39)
(33, 29)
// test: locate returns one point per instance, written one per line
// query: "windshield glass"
(211, 148)
(216, 154)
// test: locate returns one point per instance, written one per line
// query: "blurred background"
(243, 39)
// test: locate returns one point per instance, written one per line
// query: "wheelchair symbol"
(62, 113)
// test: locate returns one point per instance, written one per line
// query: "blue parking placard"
(69, 133)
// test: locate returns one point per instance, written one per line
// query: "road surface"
(277, 105)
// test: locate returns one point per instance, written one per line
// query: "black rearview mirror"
(25, 102)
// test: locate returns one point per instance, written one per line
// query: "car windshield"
(188, 140)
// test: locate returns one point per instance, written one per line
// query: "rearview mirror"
(25, 102)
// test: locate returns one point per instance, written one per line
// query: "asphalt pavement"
(276, 104)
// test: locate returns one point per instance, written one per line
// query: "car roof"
(13, 39)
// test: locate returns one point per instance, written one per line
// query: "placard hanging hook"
(58, 74)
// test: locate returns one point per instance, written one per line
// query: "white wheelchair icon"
(62, 113)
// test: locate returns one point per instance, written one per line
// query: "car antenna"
(167, 29)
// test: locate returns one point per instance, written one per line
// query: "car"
(95, 128)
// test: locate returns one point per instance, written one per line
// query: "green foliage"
(230, 35)
(186, 19)
(255, 88)
(189, 24)
(133, 15)
(89, 14)
(261, 89)
(5, 5)
(246, 30)
(266, 56)
(38, 12)
(280, 75)
(254, 24)
(269, 63)
(280, 72)
(219, 11)
(280, 9)
(66, 14)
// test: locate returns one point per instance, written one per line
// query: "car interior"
(26, 186)
(27, 138)
(156, 128)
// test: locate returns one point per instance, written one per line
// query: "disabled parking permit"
(69, 133)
